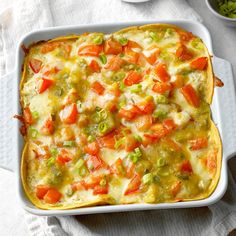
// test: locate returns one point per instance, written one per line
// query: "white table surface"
(224, 44)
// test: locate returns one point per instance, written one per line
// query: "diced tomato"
(107, 141)
(114, 64)
(28, 118)
(198, 143)
(63, 157)
(154, 52)
(94, 162)
(161, 72)
(130, 170)
(133, 44)
(161, 87)
(118, 168)
(133, 77)
(149, 139)
(48, 47)
(179, 82)
(52, 196)
(147, 106)
(90, 50)
(97, 88)
(112, 47)
(175, 189)
(94, 181)
(190, 95)
(100, 189)
(131, 113)
(35, 65)
(44, 84)
(71, 97)
(199, 63)
(169, 124)
(53, 70)
(41, 190)
(69, 114)
(94, 66)
(159, 131)
(185, 36)
(143, 122)
(132, 56)
(133, 185)
(48, 127)
(131, 143)
(92, 148)
(183, 53)
(186, 167)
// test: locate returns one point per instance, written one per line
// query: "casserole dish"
(190, 26)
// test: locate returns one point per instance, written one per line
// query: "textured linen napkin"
(25, 16)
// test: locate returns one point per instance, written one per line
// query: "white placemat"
(27, 15)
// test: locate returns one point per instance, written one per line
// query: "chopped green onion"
(227, 8)
(160, 114)
(65, 76)
(161, 99)
(153, 36)
(103, 127)
(35, 115)
(69, 192)
(135, 155)
(148, 178)
(79, 106)
(58, 92)
(33, 132)
(137, 88)
(123, 41)
(54, 152)
(122, 103)
(98, 40)
(83, 171)
(79, 163)
(138, 138)
(103, 58)
(119, 76)
(161, 162)
(69, 143)
(103, 182)
(122, 86)
(119, 142)
(50, 161)
(91, 138)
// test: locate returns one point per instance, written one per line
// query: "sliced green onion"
(50, 161)
(33, 132)
(160, 114)
(137, 88)
(103, 127)
(119, 76)
(119, 142)
(122, 103)
(79, 163)
(122, 86)
(91, 138)
(103, 58)
(35, 115)
(161, 162)
(197, 43)
(69, 143)
(123, 41)
(135, 155)
(65, 76)
(148, 178)
(161, 99)
(58, 92)
(138, 138)
(54, 152)
(83, 171)
(98, 40)
(153, 36)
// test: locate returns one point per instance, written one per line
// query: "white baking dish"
(223, 112)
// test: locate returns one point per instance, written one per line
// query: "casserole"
(195, 28)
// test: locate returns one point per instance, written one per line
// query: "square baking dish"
(223, 113)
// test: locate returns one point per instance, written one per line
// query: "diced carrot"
(143, 122)
(132, 56)
(130, 171)
(107, 141)
(92, 148)
(133, 77)
(161, 87)
(97, 88)
(41, 191)
(183, 53)
(159, 131)
(115, 90)
(161, 71)
(149, 139)
(190, 95)
(153, 55)
(69, 114)
(169, 124)
(185, 36)
(131, 113)
(94, 163)
(53, 70)
(186, 167)
(28, 118)
(35, 65)
(94, 66)
(198, 143)
(118, 168)
(131, 143)
(175, 189)
(133, 185)
(94, 181)
(179, 82)
(90, 50)
(199, 63)
(48, 127)
(52, 196)
(114, 64)
(112, 47)
(48, 47)
(100, 189)
(63, 157)
(44, 84)
(133, 44)
(147, 106)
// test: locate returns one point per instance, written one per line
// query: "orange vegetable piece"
(133, 185)
(175, 189)
(98, 189)
(48, 127)
(63, 157)
(112, 47)
(131, 143)
(114, 63)
(28, 118)
(143, 122)
(92, 148)
(94, 66)
(97, 88)
(41, 191)
(95, 162)
(35, 65)
(133, 77)
(199, 63)
(52, 196)
(161, 87)
(183, 53)
(69, 114)
(198, 143)
(90, 50)
(161, 71)
(190, 95)
(44, 84)
(186, 167)
(107, 141)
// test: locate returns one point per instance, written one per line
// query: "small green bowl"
(212, 5)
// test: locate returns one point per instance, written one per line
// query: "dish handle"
(227, 103)
(7, 123)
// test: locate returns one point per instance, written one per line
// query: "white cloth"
(27, 15)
